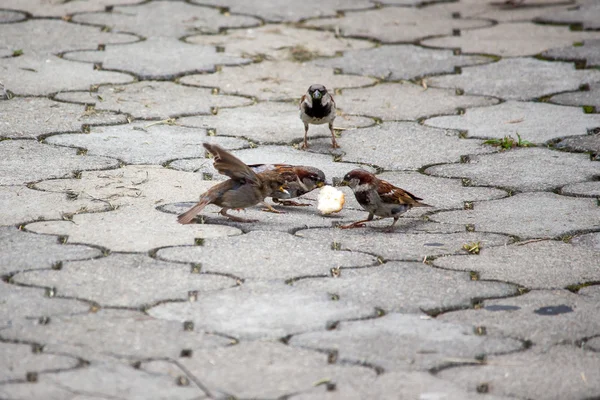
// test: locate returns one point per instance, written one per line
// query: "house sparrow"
(317, 107)
(299, 179)
(245, 188)
(379, 197)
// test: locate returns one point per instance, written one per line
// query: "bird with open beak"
(317, 107)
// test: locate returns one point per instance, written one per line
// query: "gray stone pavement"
(493, 293)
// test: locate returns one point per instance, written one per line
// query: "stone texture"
(398, 24)
(380, 287)
(33, 75)
(292, 12)
(294, 256)
(278, 371)
(538, 265)
(19, 359)
(43, 161)
(404, 146)
(513, 39)
(400, 342)
(535, 79)
(166, 19)
(583, 189)
(60, 8)
(399, 62)
(158, 58)
(501, 12)
(589, 143)
(542, 316)
(41, 389)
(116, 333)
(518, 169)
(585, 14)
(280, 42)
(521, 215)
(145, 143)
(589, 97)
(124, 280)
(535, 122)
(561, 372)
(590, 240)
(269, 123)
(42, 251)
(405, 101)
(7, 16)
(275, 80)
(262, 310)
(32, 117)
(158, 100)
(402, 245)
(588, 51)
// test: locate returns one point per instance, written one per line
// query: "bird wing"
(228, 164)
(394, 195)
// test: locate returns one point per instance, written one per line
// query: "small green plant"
(472, 248)
(508, 142)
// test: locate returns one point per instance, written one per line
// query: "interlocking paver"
(585, 14)
(502, 12)
(583, 189)
(589, 97)
(38, 390)
(590, 240)
(11, 16)
(18, 359)
(588, 50)
(59, 8)
(539, 265)
(588, 143)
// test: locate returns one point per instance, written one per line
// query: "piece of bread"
(331, 200)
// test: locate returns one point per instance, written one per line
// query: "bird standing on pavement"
(245, 188)
(317, 107)
(379, 197)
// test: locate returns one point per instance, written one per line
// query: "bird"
(245, 188)
(317, 107)
(379, 197)
(300, 179)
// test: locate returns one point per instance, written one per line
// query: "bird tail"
(189, 215)
(419, 204)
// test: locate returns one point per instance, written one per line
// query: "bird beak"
(320, 184)
(343, 183)
(317, 95)
(282, 190)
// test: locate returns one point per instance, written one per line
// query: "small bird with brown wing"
(245, 188)
(379, 197)
(317, 107)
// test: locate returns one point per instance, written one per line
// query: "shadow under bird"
(317, 107)
(379, 197)
(245, 188)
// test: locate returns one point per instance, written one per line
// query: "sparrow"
(245, 188)
(379, 197)
(317, 107)
(299, 179)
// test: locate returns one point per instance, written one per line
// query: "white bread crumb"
(331, 200)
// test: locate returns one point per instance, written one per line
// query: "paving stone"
(535, 122)
(538, 265)
(225, 370)
(124, 280)
(133, 228)
(166, 19)
(115, 333)
(43, 161)
(275, 80)
(159, 100)
(295, 256)
(42, 251)
(280, 42)
(512, 39)
(559, 373)
(378, 287)
(19, 359)
(7, 16)
(262, 310)
(60, 8)
(583, 189)
(292, 11)
(594, 344)
(398, 24)
(520, 215)
(403, 146)
(588, 50)
(144, 143)
(269, 123)
(399, 62)
(589, 97)
(501, 12)
(518, 169)
(32, 75)
(37, 390)
(585, 14)
(535, 78)
(544, 317)
(590, 240)
(32, 117)
(405, 101)
(589, 143)
(400, 342)
(21, 303)
(158, 58)
(402, 245)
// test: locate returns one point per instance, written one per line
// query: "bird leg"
(390, 229)
(333, 142)
(290, 203)
(305, 144)
(269, 208)
(357, 224)
(224, 213)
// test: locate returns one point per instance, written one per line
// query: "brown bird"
(317, 107)
(245, 188)
(379, 197)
